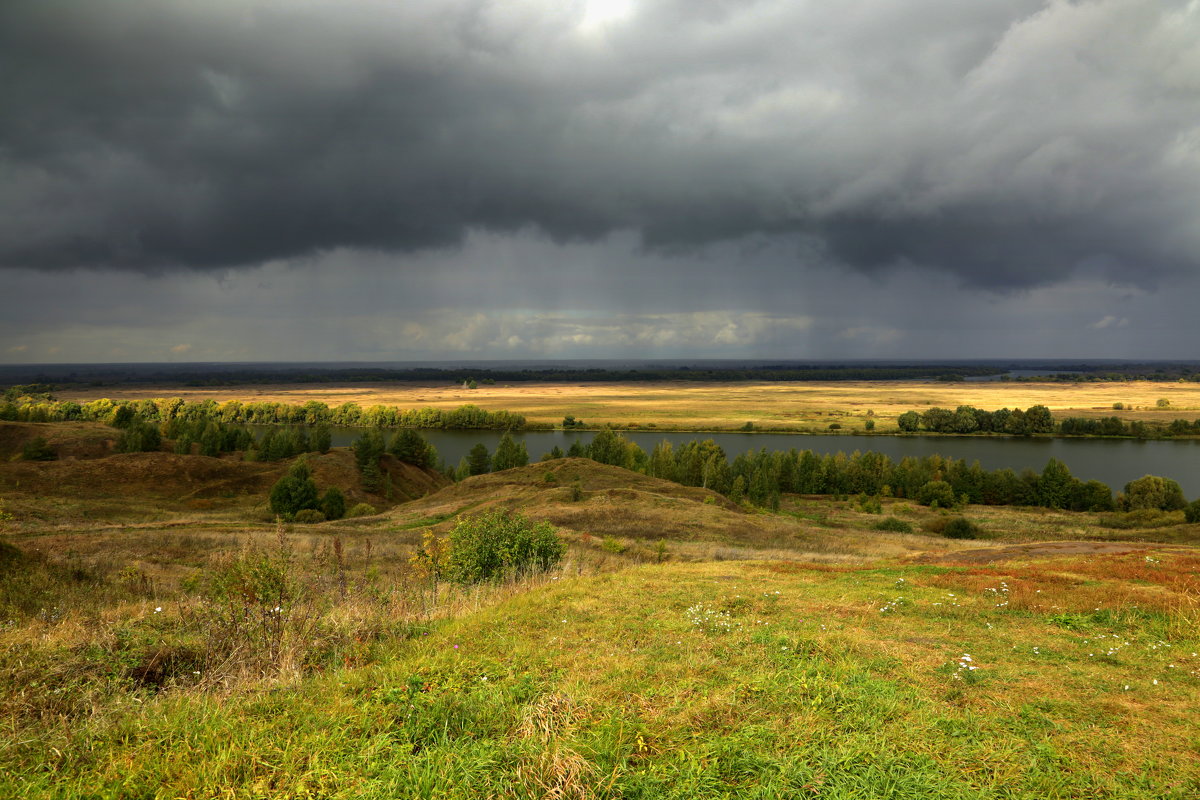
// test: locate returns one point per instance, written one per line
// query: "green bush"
(893, 525)
(309, 516)
(936, 492)
(1151, 491)
(1192, 512)
(501, 544)
(333, 503)
(294, 492)
(361, 510)
(961, 528)
(139, 437)
(38, 450)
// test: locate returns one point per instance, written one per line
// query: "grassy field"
(160, 637)
(716, 406)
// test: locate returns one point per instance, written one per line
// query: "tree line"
(761, 477)
(29, 408)
(1036, 420)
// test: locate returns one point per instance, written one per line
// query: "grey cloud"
(1006, 144)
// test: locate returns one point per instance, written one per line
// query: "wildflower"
(158, 610)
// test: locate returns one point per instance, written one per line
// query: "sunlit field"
(715, 406)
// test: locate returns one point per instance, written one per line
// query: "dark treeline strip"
(1037, 420)
(762, 476)
(779, 372)
(28, 408)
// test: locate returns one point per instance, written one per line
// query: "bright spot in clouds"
(598, 14)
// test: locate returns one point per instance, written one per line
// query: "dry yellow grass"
(713, 406)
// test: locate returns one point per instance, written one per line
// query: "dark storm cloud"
(1008, 144)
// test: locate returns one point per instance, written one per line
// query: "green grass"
(814, 682)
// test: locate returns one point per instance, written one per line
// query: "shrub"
(869, 505)
(361, 510)
(38, 450)
(938, 492)
(139, 437)
(1192, 512)
(309, 516)
(610, 544)
(961, 528)
(294, 492)
(893, 525)
(1151, 491)
(499, 544)
(333, 503)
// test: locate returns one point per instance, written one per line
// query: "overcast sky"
(400, 179)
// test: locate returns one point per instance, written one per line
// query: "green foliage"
(501, 544)
(333, 503)
(869, 425)
(1162, 402)
(509, 454)
(294, 492)
(961, 528)
(939, 493)
(570, 422)
(737, 492)
(1191, 512)
(321, 439)
(309, 516)
(893, 525)
(1151, 491)
(139, 437)
(576, 490)
(869, 504)
(37, 449)
(411, 447)
(479, 461)
(1054, 485)
(909, 421)
(610, 544)
(361, 510)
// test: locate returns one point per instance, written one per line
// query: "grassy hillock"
(160, 638)
(751, 679)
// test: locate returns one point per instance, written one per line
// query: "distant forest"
(233, 375)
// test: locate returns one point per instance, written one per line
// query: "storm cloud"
(1006, 145)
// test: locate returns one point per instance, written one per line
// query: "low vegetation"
(577, 629)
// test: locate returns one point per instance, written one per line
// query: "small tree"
(501, 544)
(1192, 511)
(333, 503)
(509, 454)
(410, 447)
(479, 461)
(294, 492)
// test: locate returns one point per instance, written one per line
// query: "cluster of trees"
(1114, 426)
(762, 476)
(1034, 420)
(968, 419)
(295, 497)
(406, 445)
(509, 453)
(42, 408)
